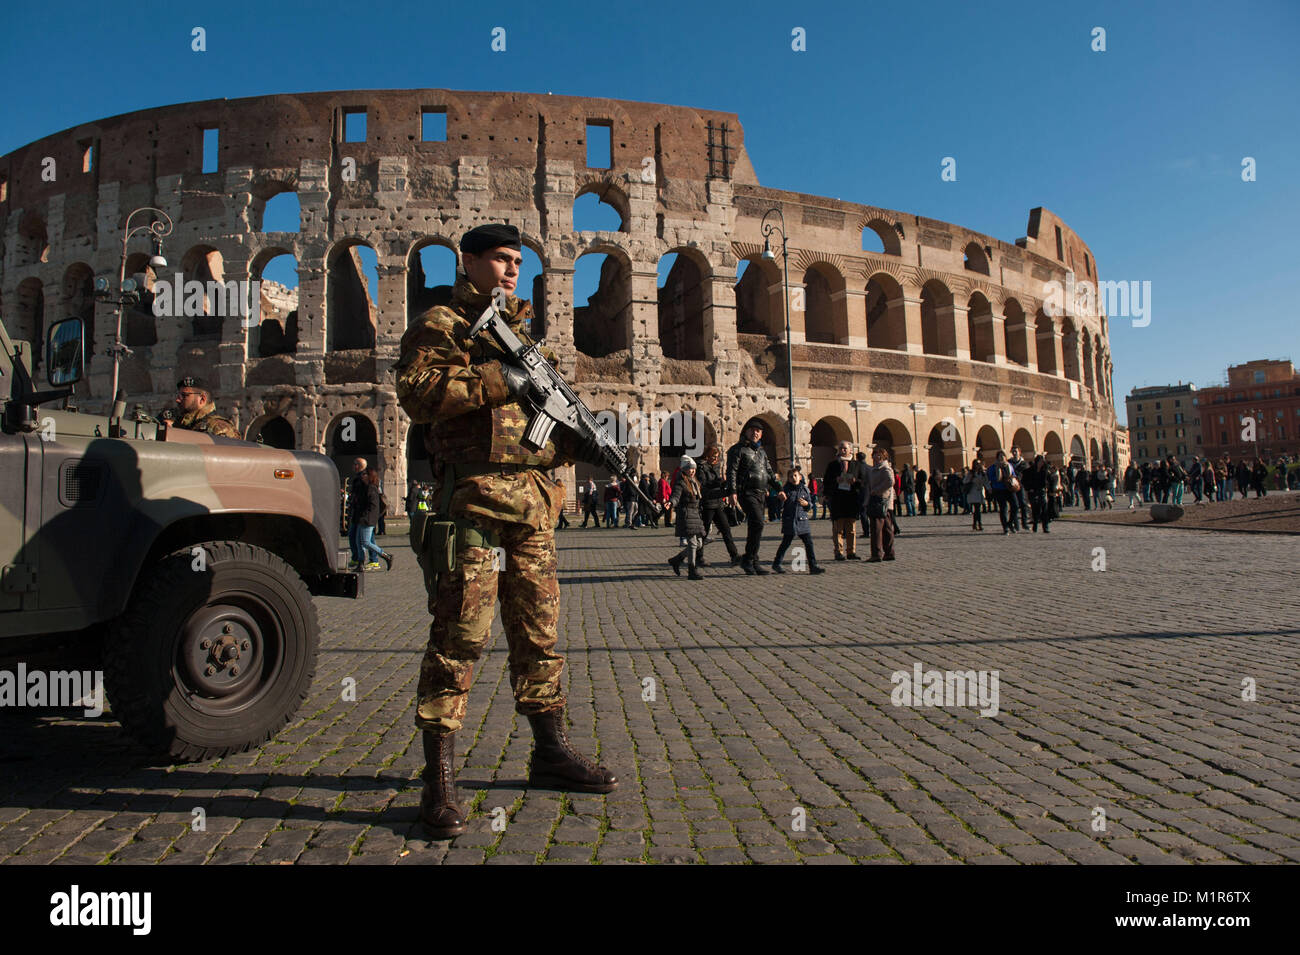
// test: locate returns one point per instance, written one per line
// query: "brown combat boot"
(441, 816)
(556, 765)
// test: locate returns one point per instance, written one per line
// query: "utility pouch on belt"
(433, 540)
(436, 539)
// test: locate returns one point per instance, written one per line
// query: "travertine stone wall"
(939, 327)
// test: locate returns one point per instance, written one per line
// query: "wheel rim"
(228, 653)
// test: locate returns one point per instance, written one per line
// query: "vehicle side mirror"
(64, 362)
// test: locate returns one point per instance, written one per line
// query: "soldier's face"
(756, 435)
(190, 400)
(495, 268)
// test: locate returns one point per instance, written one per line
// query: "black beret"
(190, 381)
(482, 238)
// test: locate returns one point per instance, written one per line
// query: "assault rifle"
(553, 401)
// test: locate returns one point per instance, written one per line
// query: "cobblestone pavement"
(1120, 701)
(1277, 513)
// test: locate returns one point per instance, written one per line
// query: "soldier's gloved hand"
(517, 381)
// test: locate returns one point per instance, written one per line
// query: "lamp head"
(768, 254)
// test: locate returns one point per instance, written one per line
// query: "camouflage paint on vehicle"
(81, 514)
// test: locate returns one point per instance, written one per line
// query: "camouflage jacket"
(454, 387)
(206, 419)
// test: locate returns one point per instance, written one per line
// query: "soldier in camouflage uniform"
(467, 399)
(198, 413)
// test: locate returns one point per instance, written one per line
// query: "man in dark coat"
(952, 488)
(842, 487)
(1083, 481)
(749, 476)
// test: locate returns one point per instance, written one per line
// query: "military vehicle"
(188, 561)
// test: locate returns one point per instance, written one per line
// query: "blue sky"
(1139, 148)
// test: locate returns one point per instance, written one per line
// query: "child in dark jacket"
(794, 521)
(685, 503)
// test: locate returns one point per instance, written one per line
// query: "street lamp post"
(159, 228)
(768, 229)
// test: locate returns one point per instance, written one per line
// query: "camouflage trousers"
(463, 603)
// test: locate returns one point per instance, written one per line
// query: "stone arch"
(607, 194)
(351, 315)
(775, 441)
(1053, 448)
(1088, 381)
(1017, 331)
(257, 265)
(79, 302)
(890, 241)
(683, 296)
(826, 316)
(683, 432)
(431, 266)
(1045, 337)
(759, 306)
(975, 259)
(604, 324)
(31, 318)
(979, 326)
(1023, 440)
(276, 332)
(944, 455)
(827, 433)
(534, 290)
(364, 443)
(1077, 453)
(988, 443)
(886, 318)
(1069, 343)
(275, 204)
(32, 243)
(938, 336)
(274, 431)
(1099, 371)
(894, 436)
(1105, 453)
(203, 264)
(1094, 452)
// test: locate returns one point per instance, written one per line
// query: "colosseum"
(937, 341)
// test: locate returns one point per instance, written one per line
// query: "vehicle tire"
(214, 658)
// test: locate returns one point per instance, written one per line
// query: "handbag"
(732, 518)
(876, 506)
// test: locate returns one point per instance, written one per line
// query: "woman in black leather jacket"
(712, 475)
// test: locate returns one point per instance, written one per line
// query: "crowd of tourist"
(866, 498)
